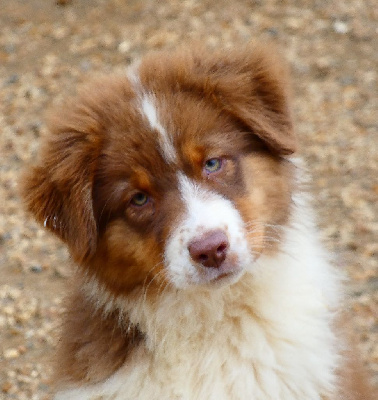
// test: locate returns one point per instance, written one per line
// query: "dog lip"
(225, 279)
(229, 269)
(223, 276)
(230, 272)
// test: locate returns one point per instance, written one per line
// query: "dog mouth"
(225, 277)
(222, 276)
(227, 273)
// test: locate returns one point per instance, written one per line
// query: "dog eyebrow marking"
(149, 111)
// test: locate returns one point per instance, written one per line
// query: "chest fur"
(241, 342)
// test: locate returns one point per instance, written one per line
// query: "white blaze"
(148, 110)
(205, 211)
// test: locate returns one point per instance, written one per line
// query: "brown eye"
(139, 199)
(213, 165)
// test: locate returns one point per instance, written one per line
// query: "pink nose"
(210, 250)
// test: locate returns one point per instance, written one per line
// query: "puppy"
(200, 274)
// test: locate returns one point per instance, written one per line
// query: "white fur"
(146, 102)
(266, 337)
(132, 74)
(205, 211)
(165, 142)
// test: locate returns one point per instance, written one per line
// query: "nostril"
(203, 257)
(222, 248)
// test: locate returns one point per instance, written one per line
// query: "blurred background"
(48, 47)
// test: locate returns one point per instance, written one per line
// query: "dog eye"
(139, 199)
(213, 165)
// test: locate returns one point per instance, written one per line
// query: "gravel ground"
(47, 47)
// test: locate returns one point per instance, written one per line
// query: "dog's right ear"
(58, 190)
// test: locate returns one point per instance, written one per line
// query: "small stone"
(35, 127)
(295, 23)
(340, 27)
(371, 250)
(22, 349)
(7, 386)
(347, 80)
(108, 41)
(272, 32)
(124, 47)
(12, 79)
(9, 48)
(85, 65)
(60, 33)
(11, 353)
(36, 269)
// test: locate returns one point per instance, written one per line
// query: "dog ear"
(252, 86)
(58, 190)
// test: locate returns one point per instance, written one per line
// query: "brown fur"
(93, 343)
(101, 152)
(353, 378)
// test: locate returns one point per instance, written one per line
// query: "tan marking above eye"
(193, 153)
(141, 178)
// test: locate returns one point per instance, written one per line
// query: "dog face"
(172, 174)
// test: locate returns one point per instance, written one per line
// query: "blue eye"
(213, 165)
(139, 199)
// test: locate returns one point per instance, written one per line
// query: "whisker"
(263, 225)
(152, 270)
(163, 287)
(145, 288)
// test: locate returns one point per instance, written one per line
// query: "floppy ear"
(252, 85)
(58, 191)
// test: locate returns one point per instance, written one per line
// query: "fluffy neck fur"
(268, 336)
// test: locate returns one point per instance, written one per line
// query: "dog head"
(171, 174)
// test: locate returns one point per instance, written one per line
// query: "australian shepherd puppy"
(200, 274)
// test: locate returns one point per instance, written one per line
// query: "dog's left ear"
(251, 85)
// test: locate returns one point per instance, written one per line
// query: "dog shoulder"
(94, 343)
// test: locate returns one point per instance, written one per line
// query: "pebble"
(341, 27)
(124, 47)
(36, 268)
(12, 79)
(6, 387)
(11, 353)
